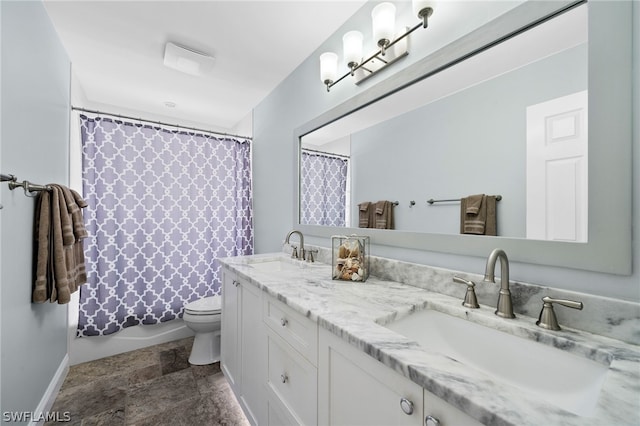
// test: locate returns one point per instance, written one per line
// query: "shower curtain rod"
(159, 122)
(326, 153)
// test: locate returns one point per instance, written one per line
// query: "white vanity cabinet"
(286, 370)
(243, 345)
(230, 329)
(355, 389)
(292, 348)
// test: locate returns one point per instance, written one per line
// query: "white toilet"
(203, 317)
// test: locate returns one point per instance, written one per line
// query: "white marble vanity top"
(356, 312)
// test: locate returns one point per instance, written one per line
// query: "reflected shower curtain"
(323, 182)
(163, 206)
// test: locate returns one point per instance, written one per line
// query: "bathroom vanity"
(300, 348)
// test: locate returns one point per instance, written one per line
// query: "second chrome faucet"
(505, 306)
(294, 253)
(304, 254)
(547, 318)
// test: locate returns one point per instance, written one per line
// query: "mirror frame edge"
(609, 245)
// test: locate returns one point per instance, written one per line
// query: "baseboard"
(49, 397)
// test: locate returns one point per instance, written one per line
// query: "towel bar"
(7, 178)
(431, 201)
(28, 187)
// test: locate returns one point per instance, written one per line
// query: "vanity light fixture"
(390, 47)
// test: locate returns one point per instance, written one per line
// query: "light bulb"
(328, 67)
(384, 22)
(352, 48)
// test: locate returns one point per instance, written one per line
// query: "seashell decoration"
(350, 258)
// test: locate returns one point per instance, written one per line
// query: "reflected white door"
(557, 167)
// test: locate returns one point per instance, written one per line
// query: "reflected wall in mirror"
(495, 123)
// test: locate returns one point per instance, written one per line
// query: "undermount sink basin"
(558, 377)
(276, 265)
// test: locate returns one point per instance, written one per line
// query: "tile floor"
(151, 386)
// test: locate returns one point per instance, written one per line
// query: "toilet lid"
(206, 305)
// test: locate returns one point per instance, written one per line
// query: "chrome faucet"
(294, 253)
(505, 307)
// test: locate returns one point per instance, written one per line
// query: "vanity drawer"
(277, 413)
(291, 381)
(298, 331)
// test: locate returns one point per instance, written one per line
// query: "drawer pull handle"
(284, 322)
(407, 406)
(434, 421)
(284, 378)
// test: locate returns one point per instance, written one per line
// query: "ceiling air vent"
(187, 60)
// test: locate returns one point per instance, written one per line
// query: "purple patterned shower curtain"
(163, 206)
(324, 184)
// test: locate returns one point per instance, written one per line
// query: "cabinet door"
(253, 344)
(229, 339)
(355, 389)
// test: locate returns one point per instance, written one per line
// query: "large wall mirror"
(522, 119)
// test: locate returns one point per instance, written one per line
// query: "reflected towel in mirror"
(484, 221)
(384, 215)
(364, 215)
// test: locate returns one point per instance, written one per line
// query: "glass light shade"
(419, 5)
(384, 21)
(352, 47)
(328, 67)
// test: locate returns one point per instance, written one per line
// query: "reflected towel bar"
(431, 201)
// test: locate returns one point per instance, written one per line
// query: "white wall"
(34, 146)
(301, 98)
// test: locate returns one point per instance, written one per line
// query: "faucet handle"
(309, 255)
(547, 318)
(294, 251)
(470, 300)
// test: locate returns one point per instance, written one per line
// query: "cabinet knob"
(407, 406)
(284, 322)
(284, 378)
(431, 421)
(236, 283)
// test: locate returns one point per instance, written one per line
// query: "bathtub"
(83, 349)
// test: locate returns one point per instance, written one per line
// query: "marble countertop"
(356, 312)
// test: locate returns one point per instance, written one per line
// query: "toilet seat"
(211, 305)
